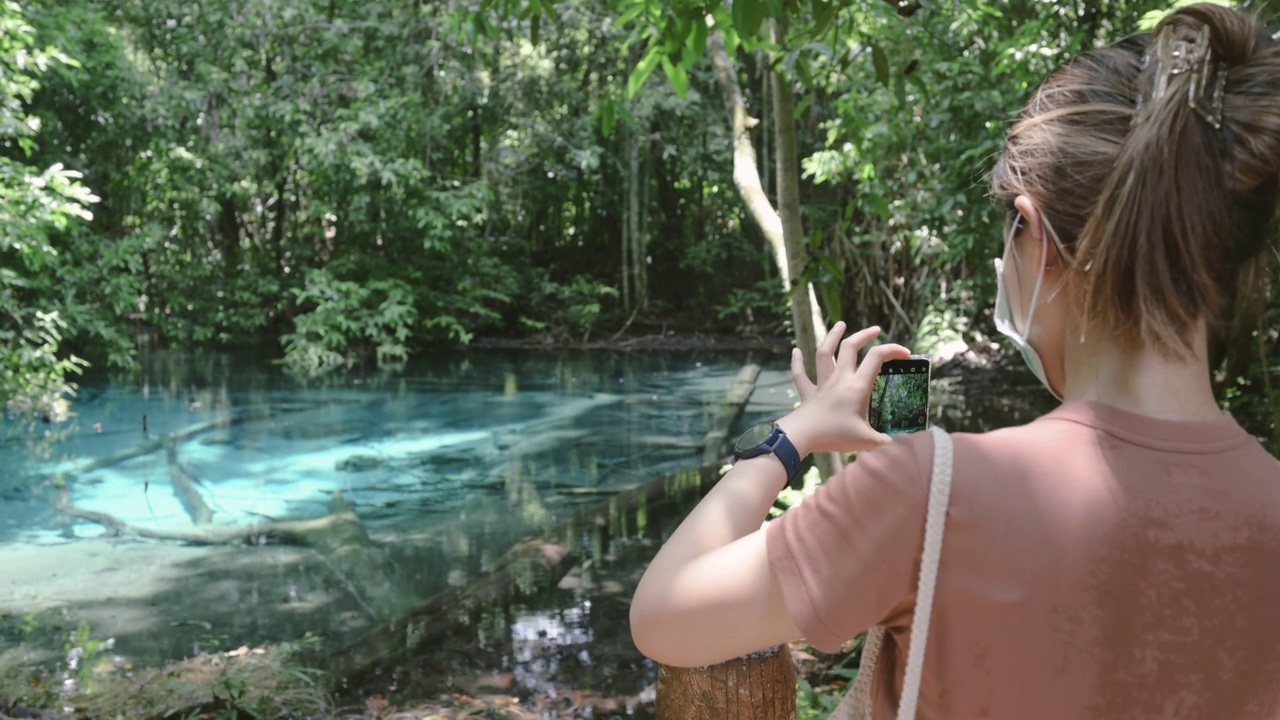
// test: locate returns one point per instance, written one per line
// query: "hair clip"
(1205, 96)
(1175, 57)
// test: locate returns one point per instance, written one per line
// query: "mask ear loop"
(1010, 242)
(1062, 257)
(1035, 294)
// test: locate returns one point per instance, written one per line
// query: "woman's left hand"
(832, 416)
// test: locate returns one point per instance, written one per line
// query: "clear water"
(448, 465)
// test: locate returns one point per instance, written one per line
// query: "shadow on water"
(549, 625)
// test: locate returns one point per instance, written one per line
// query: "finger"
(876, 357)
(800, 376)
(852, 345)
(881, 439)
(825, 359)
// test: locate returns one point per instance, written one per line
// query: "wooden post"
(759, 686)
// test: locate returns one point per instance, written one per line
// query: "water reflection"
(445, 467)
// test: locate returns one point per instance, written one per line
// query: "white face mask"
(1005, 324)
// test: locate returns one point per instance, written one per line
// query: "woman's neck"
(1142, 380)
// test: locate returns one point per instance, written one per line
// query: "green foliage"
(572, 308)
(753, 308)
(1153, 18)
(33, 374)
(815, 703)
(352, 180)
(83, 653)
(344, 318)
(792, 497)
(33, 202)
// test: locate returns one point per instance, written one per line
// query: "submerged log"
(289, 532)
(759, 686)
(716, 442)
(363, 567)
(184, 486)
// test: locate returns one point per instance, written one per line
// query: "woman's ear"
(1034, 228)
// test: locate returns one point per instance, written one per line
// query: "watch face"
(754, 435)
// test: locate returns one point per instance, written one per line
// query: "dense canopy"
(351, 182)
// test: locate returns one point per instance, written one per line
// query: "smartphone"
(900, 400)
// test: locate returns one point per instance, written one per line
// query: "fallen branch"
(288, 532)
(184, 486)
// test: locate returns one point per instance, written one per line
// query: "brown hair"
(1161, 219)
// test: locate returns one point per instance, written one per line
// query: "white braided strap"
(856, 704)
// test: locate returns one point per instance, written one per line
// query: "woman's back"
(1096, 564)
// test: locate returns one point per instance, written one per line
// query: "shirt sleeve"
(848, 557)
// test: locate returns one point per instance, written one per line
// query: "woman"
(1116, 557)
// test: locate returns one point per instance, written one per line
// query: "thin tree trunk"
(788, 254)
(628, 183)
(806, 314)
(766, 94)
(641, 227)
(634, 237)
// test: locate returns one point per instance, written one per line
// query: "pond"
(166, 518)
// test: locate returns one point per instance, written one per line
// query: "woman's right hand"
(832, 416)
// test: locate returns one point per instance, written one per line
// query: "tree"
(33, 371)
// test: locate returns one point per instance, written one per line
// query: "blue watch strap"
(785, 450)
(776, 444)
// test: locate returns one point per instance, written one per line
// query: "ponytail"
(1158, 161)
(1154, 252)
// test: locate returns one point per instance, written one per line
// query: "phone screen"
(900, 400)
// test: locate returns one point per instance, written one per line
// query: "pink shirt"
(1096, 564)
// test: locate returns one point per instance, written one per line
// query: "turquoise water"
(447, 464)
(407, 450)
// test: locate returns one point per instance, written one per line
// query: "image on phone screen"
(900, 400)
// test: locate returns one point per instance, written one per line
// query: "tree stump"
(759, 686)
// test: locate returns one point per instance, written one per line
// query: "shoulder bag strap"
(856, 704)
(935, 524)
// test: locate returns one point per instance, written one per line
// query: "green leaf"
(747, 17)
(920, 85)
(803, 72)
(698, 40)
(535, 28)
(881, 62)
(643, 70)
(608, 117)
(804, 104)
(637, 7)
(824, 13)
(678, 76)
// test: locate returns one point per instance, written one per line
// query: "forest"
(346, 183)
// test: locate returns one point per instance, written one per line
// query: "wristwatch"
(768, 439)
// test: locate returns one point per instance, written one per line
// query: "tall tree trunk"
(805, 312)
(788, 253)
(628, 188)
(760, 686)
(636, 202)
(766, 94)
